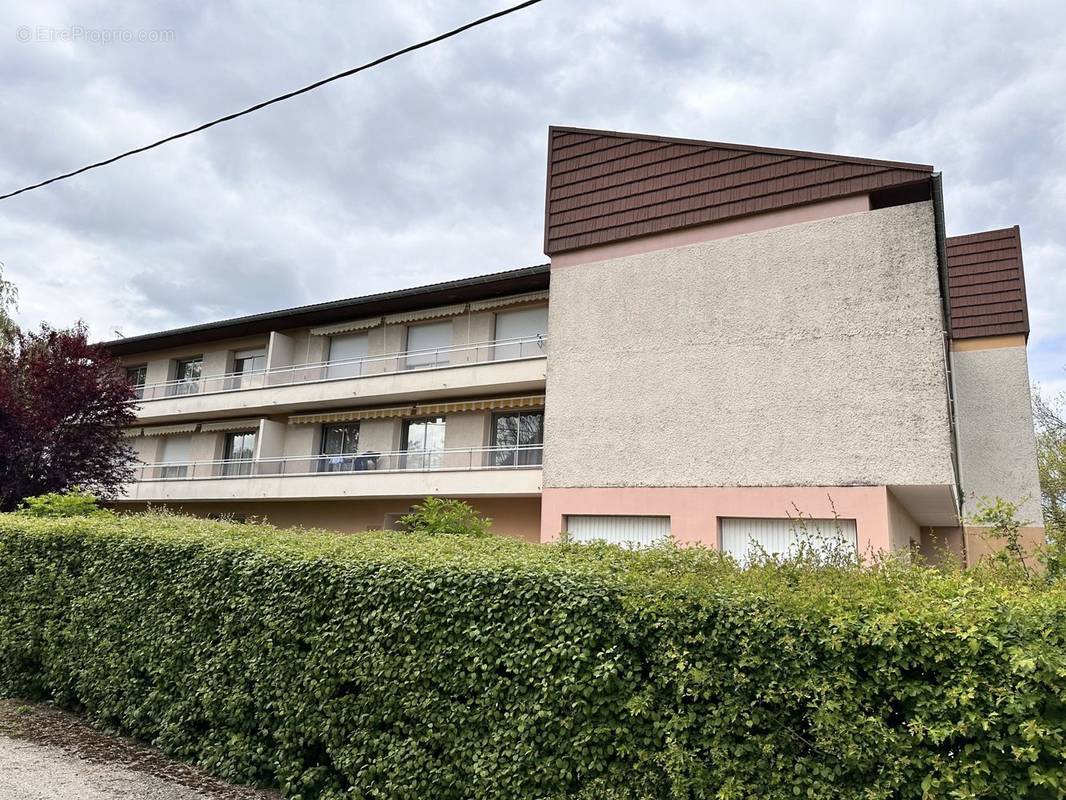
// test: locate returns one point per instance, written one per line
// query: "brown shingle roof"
(986, 284)
(605, 186)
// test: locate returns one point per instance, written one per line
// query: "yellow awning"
(230, 425)
(352, 415)
(131, 433)
(513, 300)
(494, 404)
(346, 327)
(426, 313)
(164, 430)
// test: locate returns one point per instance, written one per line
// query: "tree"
(63, 406)
(1050, 418)
(8, 297)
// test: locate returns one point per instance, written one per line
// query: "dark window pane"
(339, 443)
(523, 431)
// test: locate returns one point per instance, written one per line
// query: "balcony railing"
(450, 460)
(406, 361)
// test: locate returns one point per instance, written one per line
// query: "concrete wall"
(805, 355)
(518, 517)
(997, 446)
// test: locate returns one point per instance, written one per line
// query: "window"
(176, 450)
(187, 376)
(238, 453)
(517, 430)
(339, 443)
(137, 376)
(741, 537)
(521, 333)
(346, 354)
(628, 531)
(429, 345)
(423, 443)
(247, 365)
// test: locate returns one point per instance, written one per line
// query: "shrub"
(75, 503)
(437, 516)
(405, 665)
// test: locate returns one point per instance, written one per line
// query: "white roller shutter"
(777, 536)
(425, 343)
(526, 323)
(346, 349)
(626, 531)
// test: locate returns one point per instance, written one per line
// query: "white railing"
(406, 361)
(453, 459)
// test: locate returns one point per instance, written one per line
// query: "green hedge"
(400, 666)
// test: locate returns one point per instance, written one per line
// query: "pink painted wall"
(715, 230)
(694, 511)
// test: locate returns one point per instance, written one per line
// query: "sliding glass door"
(423, 443)
(238, 453)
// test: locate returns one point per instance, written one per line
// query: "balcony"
(500, 365)
(458, 472)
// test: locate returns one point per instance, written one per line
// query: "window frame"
(237, 466)
(346, 460)
(138, 385)
(424, 458)
(515, 458)
(182, 384)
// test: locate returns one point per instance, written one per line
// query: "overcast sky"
(432, 167)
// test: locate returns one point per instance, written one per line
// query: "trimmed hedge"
(403, 666)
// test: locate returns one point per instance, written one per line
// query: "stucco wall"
(805, 355)
(997, 447)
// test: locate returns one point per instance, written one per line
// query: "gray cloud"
(431, 167)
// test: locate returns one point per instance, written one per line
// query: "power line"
(280, 97)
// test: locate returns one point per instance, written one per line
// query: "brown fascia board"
(481, 287)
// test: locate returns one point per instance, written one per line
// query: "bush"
(436, 516)
(403, 665)
(74, 503)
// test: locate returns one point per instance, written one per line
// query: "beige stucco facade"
(806, 355)
(997, 448)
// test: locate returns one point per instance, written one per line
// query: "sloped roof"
(986, 284)
(479, 287)
(606, 186)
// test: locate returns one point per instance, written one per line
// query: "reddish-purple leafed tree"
(63, 406)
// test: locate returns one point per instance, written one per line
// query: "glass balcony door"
(520, 437)
(423, 443)
(187, 376)
(137, 376)
(339, 444)
(238, 453)
(248, 366)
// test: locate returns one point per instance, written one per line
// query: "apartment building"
(726, 338)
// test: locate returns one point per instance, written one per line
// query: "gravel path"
(46, 754)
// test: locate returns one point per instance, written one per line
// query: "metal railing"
(406, 361)
(452, 459)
